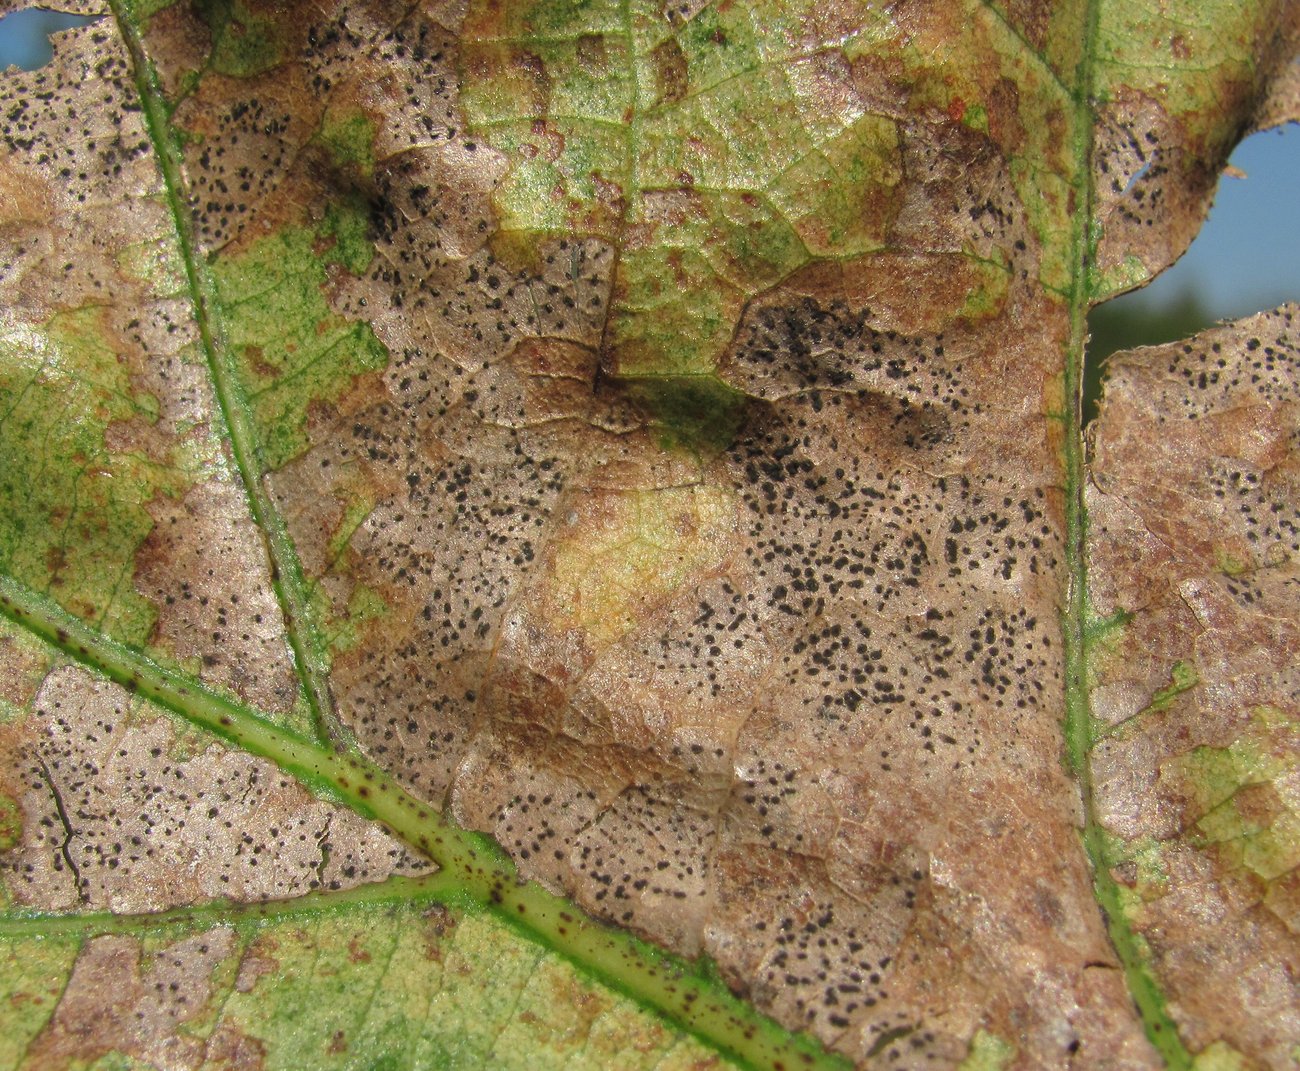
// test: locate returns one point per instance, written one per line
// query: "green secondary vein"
(473, 868)
(396, 891)
(311, 661)
(1080, 729)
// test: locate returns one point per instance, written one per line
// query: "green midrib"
(310, 660)
(1079, 729)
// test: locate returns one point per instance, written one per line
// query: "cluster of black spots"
(644, 847)
(831, 959)
(993, 217)
(1197, 443)
(422, 219)
(1217, 367)
(478, 464)
(961, 196)
(1007, 657)
(1143, 205)
(472, 487)
(996, 535)
(1133, 170)
(172, 973)
(384, 221)
(898, 1042)
(1265, 512)
(1246, 592)
(492, 512)
(708, 654)
(234, 167)
(1124, 150)
(430, 215)
(188, 576)
(455, 543)
(828, 522)
(770, 792)
(786, 482)
(636, 853)
(502, 395)
(808, 345)
(680, 14)
(1216, 372)
(324, 41)
(412, 712)
(419, 54)
(825, 349)
(524, 827)
(701, 762)
(924, 428)
(119, 807)
(880, 684)
(478, 307)
(252, 144)
(76, 127)
(502, 789)
(488, 494)
(149, 986)
(469, 485)
(912, 690)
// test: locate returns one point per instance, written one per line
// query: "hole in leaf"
(1139, 175)
(25, 36)
(1246, 259)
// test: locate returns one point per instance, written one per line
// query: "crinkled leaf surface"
(523, 519)
(1194, 503)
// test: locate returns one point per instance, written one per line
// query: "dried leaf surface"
(123, 810)
(1194, 507)
(759, 664)
(643, 431)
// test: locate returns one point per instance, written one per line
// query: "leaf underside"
(558, 534)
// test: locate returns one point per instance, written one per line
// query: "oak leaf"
(557, 534)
